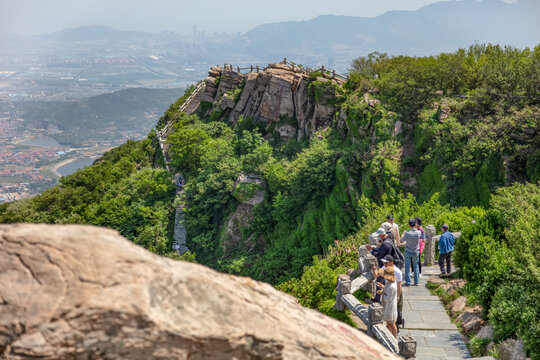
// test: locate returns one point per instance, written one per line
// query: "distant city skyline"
(35, 17)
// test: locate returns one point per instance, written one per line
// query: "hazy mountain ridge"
(94, 32)
(437, 27)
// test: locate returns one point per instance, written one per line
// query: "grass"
(13, 179)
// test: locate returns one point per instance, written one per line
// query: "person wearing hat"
(388, 260)
(383, 248)
(389, 297)
(446, 247)
(411, 241)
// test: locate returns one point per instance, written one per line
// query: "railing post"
(375, 316)
(429, 253)
(365, 259)
(407, 346)
(343, 288)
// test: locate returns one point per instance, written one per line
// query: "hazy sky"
(44, 16)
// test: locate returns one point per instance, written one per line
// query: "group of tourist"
(392, 263)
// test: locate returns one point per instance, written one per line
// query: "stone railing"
(323, 70)
(238, 69)
(372, 315)
(193, 94)
(431, 244)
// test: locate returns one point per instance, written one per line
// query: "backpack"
(399, 259)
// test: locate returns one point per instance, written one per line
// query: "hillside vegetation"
(453, 139)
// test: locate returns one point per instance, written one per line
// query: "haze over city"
(32, 17)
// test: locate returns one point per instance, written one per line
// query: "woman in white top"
(390, 292)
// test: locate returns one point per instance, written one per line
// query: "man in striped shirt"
(411, 240)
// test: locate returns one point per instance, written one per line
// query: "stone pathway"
(426, 320)
(179, 236)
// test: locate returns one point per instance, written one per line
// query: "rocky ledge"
(279, 97)
(81, 292)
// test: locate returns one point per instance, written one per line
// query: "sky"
(32, 17)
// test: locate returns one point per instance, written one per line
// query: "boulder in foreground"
(81, 292)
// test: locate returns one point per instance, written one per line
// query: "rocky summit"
(278, 96)
(82, 292)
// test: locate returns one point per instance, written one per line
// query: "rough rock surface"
(249, 190)
(486, 332)
(277, 97)
(436, 280)
(511, 349)
(81, 292)
(458, 305)
(470, 321)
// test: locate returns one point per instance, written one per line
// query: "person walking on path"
(446, 247)
(422, 244)
(389, 297)
(411, 240)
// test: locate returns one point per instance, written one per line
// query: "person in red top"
(422, 243)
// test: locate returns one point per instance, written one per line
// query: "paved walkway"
(426, 320)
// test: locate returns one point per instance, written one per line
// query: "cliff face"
(87, 293)
(280, 97)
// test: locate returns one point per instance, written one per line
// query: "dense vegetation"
(120, 190)
(453, 139)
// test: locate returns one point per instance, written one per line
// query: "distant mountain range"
(336, 40)
(441, 26)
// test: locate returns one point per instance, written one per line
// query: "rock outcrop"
(81, 292)
(249, 190)
(278, 97)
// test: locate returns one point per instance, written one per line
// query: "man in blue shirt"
(446, 246)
